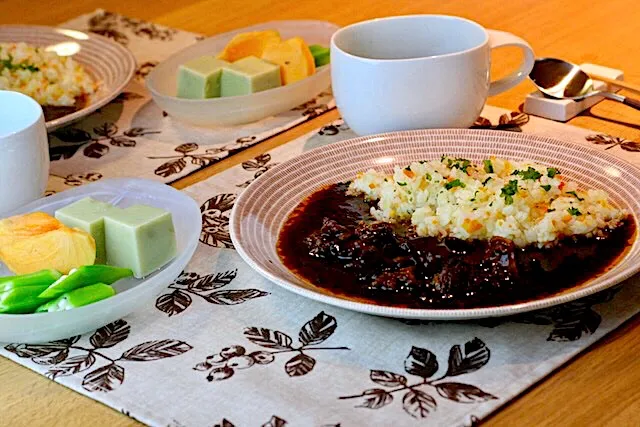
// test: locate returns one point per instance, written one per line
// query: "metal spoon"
(563, 80)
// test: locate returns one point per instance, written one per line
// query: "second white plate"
(235, 110)
(131, 294)
(109, 63)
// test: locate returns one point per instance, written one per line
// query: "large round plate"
(109, 63)
(235, 110)
(262, 208)
(132, 294)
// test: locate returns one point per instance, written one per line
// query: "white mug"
(24, 151)
(417, 71)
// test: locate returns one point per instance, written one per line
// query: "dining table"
(599, 386)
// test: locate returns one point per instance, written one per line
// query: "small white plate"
(235, 110)
(110, 64)
(262, 209)
(131, 294)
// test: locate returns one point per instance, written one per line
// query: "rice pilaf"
(48, 78)
(521, 201)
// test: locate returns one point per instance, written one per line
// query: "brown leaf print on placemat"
(127, 96)
(76, 180)
(96, 145)
(113, 26)
(570, 321)
(128, 414)
(215, 220)
(510, 122)
(613, 141)
(312, 109)
(108, 377)
(144, 69)
(274, 421)
(223, 365)
(207, 287)
(259, 165)
(186, 154)
(423, 364)
(333, 129)
(473, 422)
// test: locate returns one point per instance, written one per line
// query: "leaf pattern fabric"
(222, 346)
(132, 136)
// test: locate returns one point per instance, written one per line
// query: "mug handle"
(501, 39)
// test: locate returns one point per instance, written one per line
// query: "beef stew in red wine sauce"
(332, 241)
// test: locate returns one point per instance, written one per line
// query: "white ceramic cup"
(417, 71)
(24, 151)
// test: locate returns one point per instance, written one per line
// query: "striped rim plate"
(262, 208)
(109, 63)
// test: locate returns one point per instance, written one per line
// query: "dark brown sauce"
(331, 241)
(55, 112)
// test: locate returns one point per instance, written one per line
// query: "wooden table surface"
(598, 388)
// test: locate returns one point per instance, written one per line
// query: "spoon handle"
(631, 102)
(619, 83)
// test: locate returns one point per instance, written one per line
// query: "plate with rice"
(443, 224)
(69, 73)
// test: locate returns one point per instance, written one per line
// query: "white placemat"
(222, 346)
(132, 136)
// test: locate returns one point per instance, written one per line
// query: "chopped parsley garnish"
(530, 173)
(402, 184)
(551, 172)
(427, 176)
(459, 163)
(454, 183)
(488, 166)
(546, 187)
(574, 211)
(485, 181)
(573, 193)
(551, 210)
(9, 65)
(508, 191)
(515, 172)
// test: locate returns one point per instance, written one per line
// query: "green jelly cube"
(141, 238)
(249, 75)
(87, 214)
(200, 78)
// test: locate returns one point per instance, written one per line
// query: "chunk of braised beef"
(376, 233)
(331, 229)
(529, 260)
(400, 262)
(427, 256)
(453, 278)
(326, 242)
(498, 270)
(402, 280)
(458, 246)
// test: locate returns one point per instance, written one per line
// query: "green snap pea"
(78, 298)
(84, 276)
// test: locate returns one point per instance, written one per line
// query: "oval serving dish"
(235, 110)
